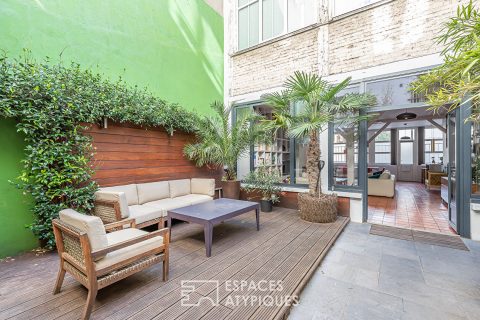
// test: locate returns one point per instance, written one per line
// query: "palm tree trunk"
(313, 160)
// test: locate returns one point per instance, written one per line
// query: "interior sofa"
(148, 203)
(384, 186)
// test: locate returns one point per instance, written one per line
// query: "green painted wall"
(14, 205)
(172, 47)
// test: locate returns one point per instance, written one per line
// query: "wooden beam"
(444, 130)
(379, 131)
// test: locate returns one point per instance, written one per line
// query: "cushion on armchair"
(144, 213)
(179, 187)
(119, 197)
(385, 175)
(203, 186)
(124, 254)
(91, 225)
(194, 198)
(130, 192)
(152, 191)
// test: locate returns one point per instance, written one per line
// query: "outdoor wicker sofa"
(97, 258)
(148, 203)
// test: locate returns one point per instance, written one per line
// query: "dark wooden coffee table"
(213, 212)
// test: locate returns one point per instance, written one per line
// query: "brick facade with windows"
(384, 32)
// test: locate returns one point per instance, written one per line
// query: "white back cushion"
(153, 191)
(385, 175)
(130, 191)
(179, 187)
(117, 197)
(203, 186)
(92, 225)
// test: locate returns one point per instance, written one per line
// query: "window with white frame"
(339, 155)
(340, 7)
(433, 145)
(262, 20)
(383, 147)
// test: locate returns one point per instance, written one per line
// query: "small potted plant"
(264, 182)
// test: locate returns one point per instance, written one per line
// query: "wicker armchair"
(434, 180)
(97, 259)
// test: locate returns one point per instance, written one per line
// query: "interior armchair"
(96, 257)
(434, 176)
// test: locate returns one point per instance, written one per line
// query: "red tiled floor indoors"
(413, 207)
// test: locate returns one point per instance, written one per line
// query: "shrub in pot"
(319, 103)
(265, 182)
(220, 143)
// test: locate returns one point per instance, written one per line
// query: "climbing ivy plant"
(52, 103)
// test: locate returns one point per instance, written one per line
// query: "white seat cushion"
(143, 213)
(152, 191)
(192, 199)
(130, 192)
(203, 186)
(117, 197)
(91, 225)
(130, 251)
(167, 204)
(179, 187)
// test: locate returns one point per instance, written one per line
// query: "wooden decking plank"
(272, 273)
(41, 298)
(205, 264)
(293, 278)
(220, 312)
(285, 248)
(237, 271)
(205, 275)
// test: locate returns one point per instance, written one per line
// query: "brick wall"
(399, 30)
(268, 66)
(394, 31)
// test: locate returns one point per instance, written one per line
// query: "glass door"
(452, 169)
(406, 157)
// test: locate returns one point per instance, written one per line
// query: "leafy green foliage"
(220, 143)
(318, 103)
(51, 103)
(265, 181)
(457, 81)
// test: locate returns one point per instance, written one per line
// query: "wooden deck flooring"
(286, 250)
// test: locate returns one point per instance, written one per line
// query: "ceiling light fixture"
(406, 115)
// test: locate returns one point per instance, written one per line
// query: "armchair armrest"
(107, 210)
(120, 224)
(162, 232)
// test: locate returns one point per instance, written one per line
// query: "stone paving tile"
(415, 311)
(371, 277)
(401, 268)
(371, 304)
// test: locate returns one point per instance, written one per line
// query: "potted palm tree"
(221, 143)
(264, 181)
(320, 105)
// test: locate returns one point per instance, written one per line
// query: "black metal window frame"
(292, 143)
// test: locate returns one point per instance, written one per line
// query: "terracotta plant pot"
(266, 205)
(231, 189)
(321, 209)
